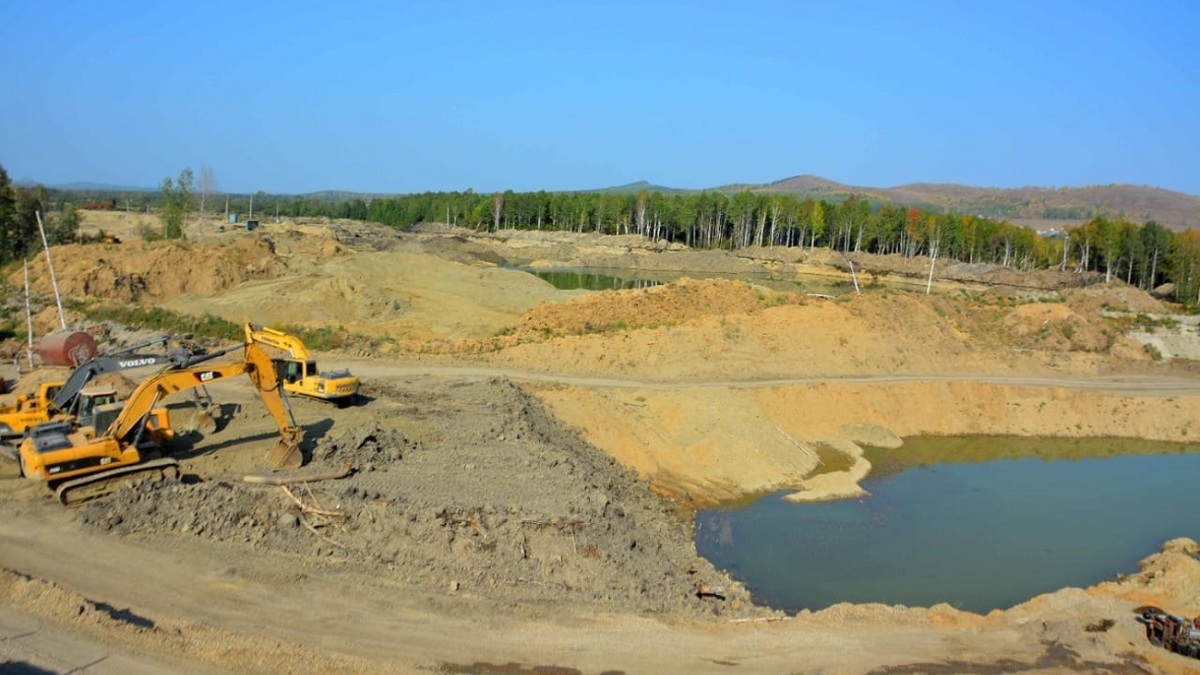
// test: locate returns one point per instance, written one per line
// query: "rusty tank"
(66, 348)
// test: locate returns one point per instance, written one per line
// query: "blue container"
(233, 217)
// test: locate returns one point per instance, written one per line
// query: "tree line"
(1145, 255)
(20, 208)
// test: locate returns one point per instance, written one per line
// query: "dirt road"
(191, 607)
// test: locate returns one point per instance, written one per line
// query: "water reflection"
(604, 279)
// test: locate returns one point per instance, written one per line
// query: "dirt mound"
(1114, 297)
(518, 510)
(1079, 322)
(139, 271)
(664, 305)
(1057, 327)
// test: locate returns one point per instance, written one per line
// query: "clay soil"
(525, 461)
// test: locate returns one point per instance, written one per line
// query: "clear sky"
(414, 96)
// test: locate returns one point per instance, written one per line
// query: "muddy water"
(603, 279)
(980, 524)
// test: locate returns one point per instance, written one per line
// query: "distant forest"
(1144, 255)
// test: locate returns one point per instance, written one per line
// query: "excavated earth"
(521, 470)
(479, 491)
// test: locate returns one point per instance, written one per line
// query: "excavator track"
(79, 490)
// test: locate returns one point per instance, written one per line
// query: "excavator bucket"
(286, 453)
(205, 422)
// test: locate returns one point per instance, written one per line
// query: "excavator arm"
(255, 363)
(85, 464)
(286, 453)
(63, 397)
(278, 339)
(68, 396)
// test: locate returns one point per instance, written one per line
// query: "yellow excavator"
(299, 371)
(60, 399)
(79, 461)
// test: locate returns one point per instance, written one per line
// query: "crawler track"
(79, 490)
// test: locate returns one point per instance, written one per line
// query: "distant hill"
(1175, 210)
(344, 195)
(634, 188)
(1138, 203)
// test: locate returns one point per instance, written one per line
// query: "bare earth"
(527, 459)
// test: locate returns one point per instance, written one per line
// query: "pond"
(949, 521)
(604, 279)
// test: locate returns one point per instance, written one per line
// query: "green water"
(979, 534)
(602, 279)
(592, 279)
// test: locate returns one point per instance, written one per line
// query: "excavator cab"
(290, 370)
(93, 399)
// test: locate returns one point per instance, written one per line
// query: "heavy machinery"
(61, 398)
(28, 410)
(1171, 632)
(122, 439)
(299, 371)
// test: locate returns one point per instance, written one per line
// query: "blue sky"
(414, 96)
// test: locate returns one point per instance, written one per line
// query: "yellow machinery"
(28, 410)
(62, 398)
(299, 371)
(128, 438)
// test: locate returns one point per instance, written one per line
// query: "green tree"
(30, 203)
(1185, 267)
(176, 201)
(9, 244)
(66, 226)
(816, 221)
(1156, 244)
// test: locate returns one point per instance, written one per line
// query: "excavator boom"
(62, 398)
(278, 339)
(82, 456)
(255, 363)
(123, 359)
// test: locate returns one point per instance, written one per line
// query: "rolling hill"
(1027, 205)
